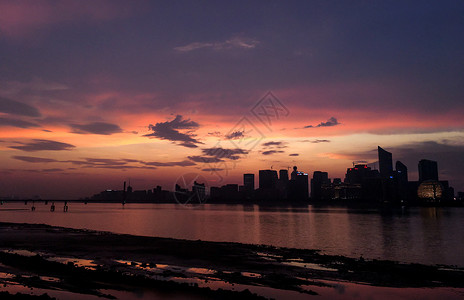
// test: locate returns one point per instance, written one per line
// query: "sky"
(95, 93)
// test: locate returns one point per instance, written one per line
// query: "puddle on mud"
(78, 262)
(204, 277)
(22, 252)
(308, 266)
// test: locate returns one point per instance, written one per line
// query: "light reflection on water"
(423, 235)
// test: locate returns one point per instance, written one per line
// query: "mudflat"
(90, 263)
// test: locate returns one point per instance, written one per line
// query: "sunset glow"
(94, 95)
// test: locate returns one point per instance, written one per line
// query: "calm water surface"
(422, 235)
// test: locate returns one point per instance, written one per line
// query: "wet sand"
(90, 264)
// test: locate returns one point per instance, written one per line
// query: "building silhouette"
(267, 179)
(401, 175)
(361, 184)
(283, 175)
(199, 190)
(298, 188)
(401, 171)
(282, 184)
(385, 162)
(428, 170)
(319, 179)
(249, 182)
(228, 193)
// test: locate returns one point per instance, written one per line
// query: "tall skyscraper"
(267, 179)
(401, 171)
(249, 182)
(319, 178)
(428, 169)
(385, 162)
(298, 185)
(283, 175)
(402, 181)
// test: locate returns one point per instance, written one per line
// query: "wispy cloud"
(205, 159)
(218, 155)
(43, 145)
(316, 141)
(215, 134)
(33, 159)
(270, 152)
(18, 108)
(235, 135)
(273, 147)
(232, 43)
(17, 123)
(171, 130)
(184, 163)
(275, 144)
(212, 169)
(111, 163)
(221, 153)
(330, 122)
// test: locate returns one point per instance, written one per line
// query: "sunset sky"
(93, 93)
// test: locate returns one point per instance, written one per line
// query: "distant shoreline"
(335, 203)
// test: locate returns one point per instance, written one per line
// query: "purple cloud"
(270, 152)
(170, 130)
(43, 145)
(16, 123)
(330, 122)
(33, 159)
(235, 135)
(17, 108)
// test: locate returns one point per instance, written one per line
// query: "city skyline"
(361, 184)
(94, 95)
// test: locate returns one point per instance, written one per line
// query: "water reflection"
(423, 235)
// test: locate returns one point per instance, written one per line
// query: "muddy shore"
(85, 262)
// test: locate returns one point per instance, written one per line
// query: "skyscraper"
(401, 172)
(283, 175)
(267, 179)
(298, 185)
(319, 178)
(249, 182)
(385, 162)
(402, 181)
(428, 169)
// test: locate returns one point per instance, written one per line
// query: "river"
(420, 235)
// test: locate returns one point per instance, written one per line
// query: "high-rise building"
(359, 173)
(401, 171)
(402, 181)
(249, 182)
(319, 178)
(428, 170)
(298, 186)
(267, 179)
(199, 191)
(283, 175)
(385, 162)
